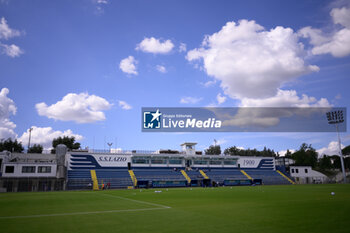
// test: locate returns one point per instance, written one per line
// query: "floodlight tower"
(337, 117)
(30, 135)
(109, 144)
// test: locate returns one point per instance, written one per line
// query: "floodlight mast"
(337, 117)
(109, 144)
(30, 135)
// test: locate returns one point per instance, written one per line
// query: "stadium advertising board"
(249, 162)
(113, 160)
(98, 161)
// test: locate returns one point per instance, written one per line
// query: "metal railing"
(115, 151)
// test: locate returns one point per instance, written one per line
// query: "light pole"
(337, 117)
(109, 144)
(30, 135)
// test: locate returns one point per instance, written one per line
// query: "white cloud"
(190, 100)
(286, 98)
(99, 4)
(339, 46)
(252, 65)
(7, 108)
(341, 16)
(250, 61)
(211, 105)
(221, 141)
(182, 47)
(282, 153)
(246, 117)
(331, 149)
(128, 65)
(161, 69)
(261, 116)
(153, 45)
(45, 135)
(209, 83)
(11, 50)
(6, 32)
(221, 99)
(336, 43)
(81, 108)
(124, 105)
(101, 1)
(316, 35)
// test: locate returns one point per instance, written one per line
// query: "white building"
(32, 172)
(305, 175)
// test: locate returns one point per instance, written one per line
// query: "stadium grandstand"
(84, 169)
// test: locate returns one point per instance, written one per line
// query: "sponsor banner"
(249, 162)
(211, 119)
(97, 161)
(113, 160)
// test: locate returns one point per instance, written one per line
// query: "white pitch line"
(80, 213)
(160, 207)
(143, 202)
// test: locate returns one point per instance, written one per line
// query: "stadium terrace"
(84, 169)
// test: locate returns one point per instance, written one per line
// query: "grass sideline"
(288, 208)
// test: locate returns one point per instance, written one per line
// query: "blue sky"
(85, 68)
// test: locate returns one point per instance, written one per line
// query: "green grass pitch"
(289, 208)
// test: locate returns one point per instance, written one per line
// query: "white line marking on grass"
(159, 207)
(80, 213)
(143, 202)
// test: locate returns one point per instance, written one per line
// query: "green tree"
(36, 148)
(232, 151)
(337, 163)
(265, 152)
(305, 156)
(325, 163)
(288, 154)
(12, 146)
(68, 141)
(249, 152)
(213, 150)
(346, 150)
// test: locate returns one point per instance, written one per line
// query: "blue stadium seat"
(267, 176)
(164, 174)
(221, 174)
(80, 179)
(118, 178)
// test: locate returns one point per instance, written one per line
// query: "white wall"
(18, 170)
(306, 175)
